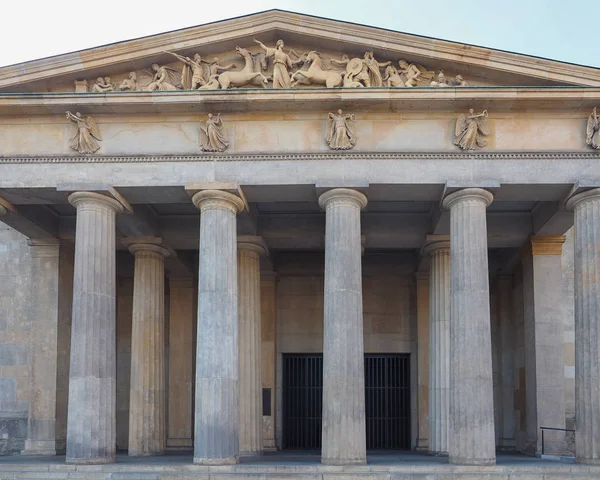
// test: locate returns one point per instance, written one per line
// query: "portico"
(237, 270)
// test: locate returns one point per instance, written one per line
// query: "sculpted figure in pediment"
(212, 135)
(165, 78)
(414, 74)
(281, 63)
(340, 133)
(392, 78)
(371, 70)
(470, 129)
(193, 74)
(459, 81)
(247, 75)
(592, 137)
(86, 138)
(102, 85)
(316, 73)
(441, 80)
(130, 83)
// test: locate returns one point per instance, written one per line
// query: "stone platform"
(305, 466)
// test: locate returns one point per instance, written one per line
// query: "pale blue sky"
(567, 30)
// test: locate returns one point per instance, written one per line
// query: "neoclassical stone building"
(286, 232)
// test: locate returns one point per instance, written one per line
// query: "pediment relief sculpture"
(87, 134)
(470, 130)
(340, 133)
(592, 137)
(212, 135)
(281, 68)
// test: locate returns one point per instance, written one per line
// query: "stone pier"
(249, 251)
(91, 424)
(472, 440)
(147, 386)
(586, 206)
(438, 249)
(216, 410)
(344, 434)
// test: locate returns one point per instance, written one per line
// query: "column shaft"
(587, 325)
(344, 431)
(43, 346)
(439, 345)
(216, 410)
(92, 375)
(147, 385)
(472, 439)
(249, 250)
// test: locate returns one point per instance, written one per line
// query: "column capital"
(252, 243)
(436, 245)
(44, 247)
(81, 198)
(217, 199)
(148, 249)
(342, 195)
(475, 194)
(588, 195)
(547, 245)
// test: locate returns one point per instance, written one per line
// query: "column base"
(587, 461)
(217, 461)
(422, 445)
(145, 454)
(39, 447)
(90, 461)
(250, 454)
(473, 461)
(341, 462)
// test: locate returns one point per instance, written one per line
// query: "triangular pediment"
(338, 44)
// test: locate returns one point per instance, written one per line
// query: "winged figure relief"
(340, 133)
(592, 137)
(87, 136)
(470, 130)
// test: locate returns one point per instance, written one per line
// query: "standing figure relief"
(281, 63)
(212, 135)
(470, 130)
(340, 133)
(592, 133)
(87, 135)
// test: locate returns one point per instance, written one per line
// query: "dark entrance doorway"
(387, 401)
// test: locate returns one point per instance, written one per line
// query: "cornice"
(303, 157)
(392, 100)
(276, 21)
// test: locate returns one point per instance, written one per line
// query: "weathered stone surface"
(344, 434)
(250, 393)
(268, 305)
(472, 440)
(586, 206)
(216, 439)
(92, 382)
(147, 398)
(438, 250)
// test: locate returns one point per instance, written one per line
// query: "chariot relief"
(277, 67)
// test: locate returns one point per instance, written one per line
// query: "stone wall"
(15, 284)
(569, 324)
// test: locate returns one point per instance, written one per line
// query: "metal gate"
(387, 401)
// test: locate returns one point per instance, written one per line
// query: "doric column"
(344, 431)
(438, 249)
(147, 385)
(92, 375)
(249, 251)
(544, 343)
(216, 410)
(504, 308)
(586, 206)
(472, 440)
(41, 421)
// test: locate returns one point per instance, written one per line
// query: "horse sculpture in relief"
(246, 76)
(316, 74)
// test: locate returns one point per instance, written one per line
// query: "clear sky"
(567, 30)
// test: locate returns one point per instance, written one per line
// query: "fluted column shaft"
(586, 206)
(216, 410)
(147, 385)
(344, 431)
(249, 251)
(472, 440)
(91, 423)
(439, 345)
